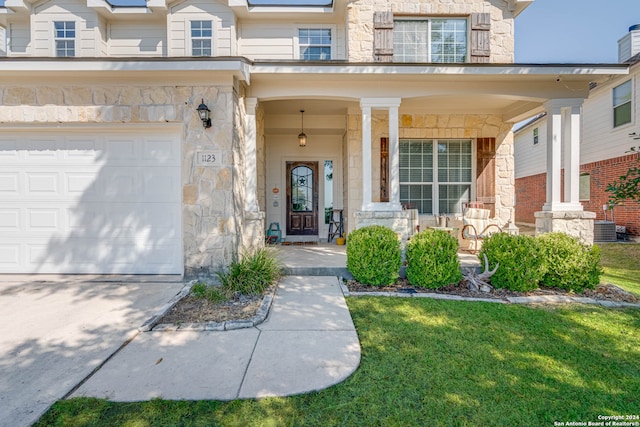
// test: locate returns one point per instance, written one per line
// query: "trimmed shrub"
(432, 259)
(374, 255)
(256, 270)
(521, 266)
(569, 264)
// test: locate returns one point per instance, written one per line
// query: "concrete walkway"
(308, 342)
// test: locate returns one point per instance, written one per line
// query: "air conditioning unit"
(604, 231)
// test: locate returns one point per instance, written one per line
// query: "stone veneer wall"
(432, 126)
(360, 22)
(210, 226)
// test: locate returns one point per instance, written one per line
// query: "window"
(585, 186)
(535, 136)
(435, 175)
(65, 38)
(315, 43)
(434, 40)
(201, 36)
(622, 104)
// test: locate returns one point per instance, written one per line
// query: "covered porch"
(402, 145)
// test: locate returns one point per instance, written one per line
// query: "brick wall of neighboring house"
(531, 193)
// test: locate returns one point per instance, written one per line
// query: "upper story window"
(201, 37)
(315, 43)
(65, 38)
(430, 40)
(622, 104)
(536, 137)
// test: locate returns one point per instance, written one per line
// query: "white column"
(394, 159)
(563, 136)
(391, 105)
(366, 158)
(554, 155)
(250, 156)
(571, 123)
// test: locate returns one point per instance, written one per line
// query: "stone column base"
(574, 223)
(253, 233)
(398, 221)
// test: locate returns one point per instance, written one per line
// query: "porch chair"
(477, 226)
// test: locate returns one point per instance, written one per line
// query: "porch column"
(391, 105)
(571, 121)
(366, 157)
(563, 128)
(563, 136)
(251, 165)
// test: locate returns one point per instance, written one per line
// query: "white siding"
(279, 40)
(3, 42)
(197, 10)
(629, 45)
(87, 43)
(531, 159)
(19, 39)
(136, 38)
(600, 139)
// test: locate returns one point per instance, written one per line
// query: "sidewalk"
(308, 342)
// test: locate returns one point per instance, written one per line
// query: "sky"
(574, 31)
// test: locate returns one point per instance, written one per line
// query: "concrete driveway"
(54, 331)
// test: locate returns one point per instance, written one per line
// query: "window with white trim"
(201, 38)
(65, 38)
(430, 40)
(315, 44)
(622, 104)
(536, 137)
(436, 175)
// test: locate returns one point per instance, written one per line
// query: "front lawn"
(621, 263)
(431, 363)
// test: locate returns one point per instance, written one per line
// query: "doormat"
(299, 243)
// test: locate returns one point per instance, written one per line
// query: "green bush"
(211, 293)
(521, 267)
(432, 259)
(374, 255)
(569, 264)
(256, 270)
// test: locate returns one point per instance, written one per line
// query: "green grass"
(621, 263)
(436, 363)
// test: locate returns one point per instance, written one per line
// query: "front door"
(302, 198)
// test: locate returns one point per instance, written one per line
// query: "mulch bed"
(198, 310)
(605, 292)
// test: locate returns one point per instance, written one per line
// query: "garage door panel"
(9, 256)
(90, 203)
(9, 183)
(9, 220)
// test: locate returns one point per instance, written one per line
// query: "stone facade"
(574, 223)
(211, 224)
(438, 127)
(360, 22)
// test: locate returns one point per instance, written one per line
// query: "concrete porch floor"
(329, 259)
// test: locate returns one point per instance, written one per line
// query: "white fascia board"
(16, 5)
(451, 70)
(238, 67)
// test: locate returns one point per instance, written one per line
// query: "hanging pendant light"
(302, 137)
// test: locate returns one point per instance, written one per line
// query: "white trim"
(296, 38)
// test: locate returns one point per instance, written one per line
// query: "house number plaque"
(208, 158)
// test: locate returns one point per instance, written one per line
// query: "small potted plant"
(340, 240)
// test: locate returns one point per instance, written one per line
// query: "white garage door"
(99, 202)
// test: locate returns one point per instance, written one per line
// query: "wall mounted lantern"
(204, 113)
(302, 137)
